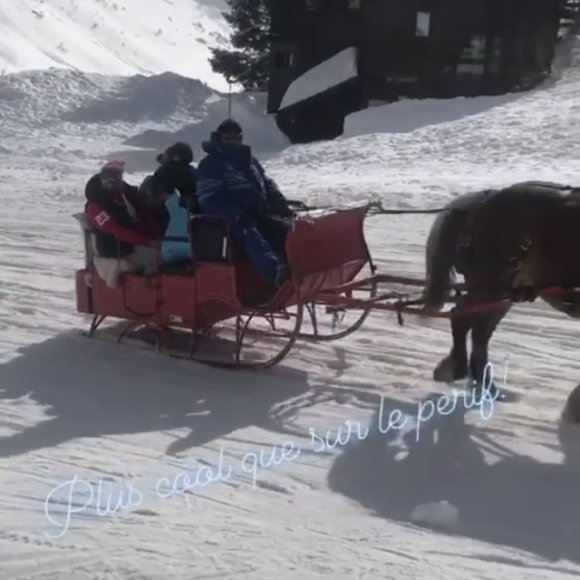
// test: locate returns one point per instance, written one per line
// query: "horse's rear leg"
(455, 365)
(483, 329)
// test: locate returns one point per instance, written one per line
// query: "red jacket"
(123, 215)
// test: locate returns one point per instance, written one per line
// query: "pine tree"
(247, 64)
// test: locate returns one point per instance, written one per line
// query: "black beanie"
(180, 150)
(229, 127)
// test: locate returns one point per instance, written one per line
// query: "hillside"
(113, 37)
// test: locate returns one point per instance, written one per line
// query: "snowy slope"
(113, 36)
(114, 421)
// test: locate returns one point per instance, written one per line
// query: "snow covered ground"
(104, 424)
(113, 36)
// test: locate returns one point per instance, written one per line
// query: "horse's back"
(505, 220)
(540, 190)
(525, 198)
(546, 184)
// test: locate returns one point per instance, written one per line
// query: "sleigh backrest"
(88, 238)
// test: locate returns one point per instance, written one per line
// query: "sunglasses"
(234, 138)
(111, 182)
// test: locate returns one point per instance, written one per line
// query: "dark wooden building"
(403, 49)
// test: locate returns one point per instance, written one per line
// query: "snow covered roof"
(332, 72)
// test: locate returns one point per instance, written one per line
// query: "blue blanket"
(176, 251)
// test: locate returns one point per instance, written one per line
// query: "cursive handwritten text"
(77, 495)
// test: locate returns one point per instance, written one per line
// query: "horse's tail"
(439, 261)
(441, 249)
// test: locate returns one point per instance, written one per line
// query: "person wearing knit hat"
(175, 172)
(175, 180)
(112, 174)
(233, 185)
(231, 128)
(126, 230)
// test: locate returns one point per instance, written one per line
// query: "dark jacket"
(174, 176)
(228, 176)
(121, 220)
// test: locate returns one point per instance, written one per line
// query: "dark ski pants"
(264, 239)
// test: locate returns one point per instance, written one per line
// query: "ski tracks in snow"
(73, 407)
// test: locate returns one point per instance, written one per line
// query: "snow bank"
(408, 115)
(120, 37)
(260, 129)
(141, 111)
(36, 98)
(139, 98)
(330, 73)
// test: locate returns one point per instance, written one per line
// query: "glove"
(286, 212)
(279, 209)
(298, 205)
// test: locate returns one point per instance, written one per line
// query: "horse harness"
(524, 293)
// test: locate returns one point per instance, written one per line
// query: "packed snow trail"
(112, 417)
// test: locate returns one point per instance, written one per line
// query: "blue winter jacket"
(232, 183)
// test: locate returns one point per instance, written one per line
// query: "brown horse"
(513, 243)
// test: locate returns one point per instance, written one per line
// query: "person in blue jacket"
(233, 185)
